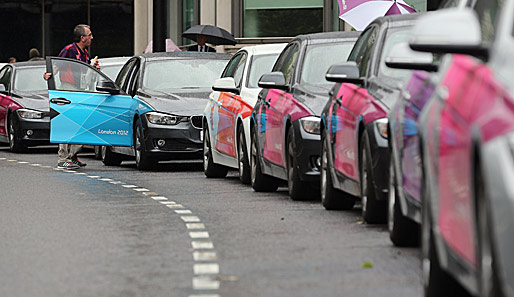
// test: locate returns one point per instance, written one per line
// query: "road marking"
(35, 165)
(12, 160)
(105, 179)
(211, 268)
(158, 198)
(204, 256)
(205, 295)
(202, 245)
(167, 202)
(129, 186)
(150, 194)
(80, 173)
(93, 176)
(183, 211)
(2, 158)
(205, 283)
(46, 166)
(23, 162)
(141, 190)
(115, 182)
(195, 226)
(175, 206)
(202, 234)
(189, 219)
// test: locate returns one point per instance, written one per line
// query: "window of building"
(271, 18)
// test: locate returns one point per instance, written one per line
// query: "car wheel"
(110, 158)
(143, 160)
(242, 157)
(373, 211)
(210, 169)
(298, 189)
(331, 198)
(15, 145)
(402, 230)
(98, 152)
(260, 181)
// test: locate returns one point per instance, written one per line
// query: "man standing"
(201, 46)
(82, 36)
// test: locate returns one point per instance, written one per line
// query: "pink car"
(467, 144)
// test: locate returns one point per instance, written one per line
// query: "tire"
(260, 181)
(210, 169)
(110, 158)
(15, 145)
(373, 211)
(298, 189)
(402, 231)
(143, 160)
(242, 157)
(98, 152)
(331, 198)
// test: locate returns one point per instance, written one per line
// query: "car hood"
(179, 103)
(312, 97)
(36, 100)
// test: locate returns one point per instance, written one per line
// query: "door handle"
(339, 101)
(60, 101)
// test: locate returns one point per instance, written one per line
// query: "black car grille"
(197, 121)
(178, 144)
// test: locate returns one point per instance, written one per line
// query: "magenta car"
(467, 145)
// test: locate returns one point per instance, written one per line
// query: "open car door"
(86, 107)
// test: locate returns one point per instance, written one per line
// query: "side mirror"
(347, 72)
(273, 80)
(452, 31)
(403, 57)
(226, 84)
(107, 86)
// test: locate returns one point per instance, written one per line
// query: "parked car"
(24, 111)
(355, 158)
(227, 115)
(112, 66)
(285, 119)
(153, 111)
(405, 174)
(467, 132)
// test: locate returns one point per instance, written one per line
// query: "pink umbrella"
(360, 13)
(170, 46)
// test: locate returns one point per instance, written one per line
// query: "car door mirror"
(107, 86)
(347, 72)
(403, 57)
(273, 80)
(452, 31)
(225, 84)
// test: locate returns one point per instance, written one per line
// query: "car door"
(5, 82)
(82, 114)
(279, 103)
(229, 105)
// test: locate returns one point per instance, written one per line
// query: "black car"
(24, 109)
(355, 157)
(285, 119)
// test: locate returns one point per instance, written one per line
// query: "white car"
(226, 126)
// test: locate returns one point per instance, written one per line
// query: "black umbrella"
(214, 35)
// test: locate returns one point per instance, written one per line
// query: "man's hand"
(47, 75)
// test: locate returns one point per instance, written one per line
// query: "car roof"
(113, 61)
(397, 20)
(27, 64)
(328, 37)
(264, 49)
(185, 55)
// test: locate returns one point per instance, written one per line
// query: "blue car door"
(86, 107)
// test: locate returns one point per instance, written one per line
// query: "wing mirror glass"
(273, 80)
(226, 84)
(403, 57)
(347, 72)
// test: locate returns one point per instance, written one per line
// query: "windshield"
(396, 36)
(260, 65)
(319, 58)
(111, 71)
(182, 74)
(30, 79)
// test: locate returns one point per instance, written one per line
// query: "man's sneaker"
(77, 162)
(67, 165)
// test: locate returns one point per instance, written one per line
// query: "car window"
(260, 64)
(111, 71)
(488, 12)
(132, 85)
(358, 47)
(319, 57)
(231, 66)
(30, 79)
(287, 62)
(5, 78)
(393, 37)
(238, 73)
(120, 78)
(73, 75)
(181, 74)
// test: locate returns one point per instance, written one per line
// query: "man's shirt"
(73, 51)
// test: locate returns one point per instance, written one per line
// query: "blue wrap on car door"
(86, 107)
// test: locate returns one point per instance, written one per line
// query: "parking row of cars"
(414, 117)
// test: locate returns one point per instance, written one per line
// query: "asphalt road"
(116, 231)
